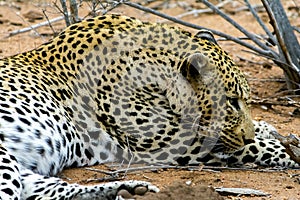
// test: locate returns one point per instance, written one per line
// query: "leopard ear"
(198, 67)
(206, 35)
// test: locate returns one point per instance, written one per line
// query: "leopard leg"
(19, 183)
(10, 187)
(263, 129)
(264, 151)
(42, 187)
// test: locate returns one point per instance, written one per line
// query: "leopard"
(114, 89)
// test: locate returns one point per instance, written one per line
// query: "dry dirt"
(265, 78)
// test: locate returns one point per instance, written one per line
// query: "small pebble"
(289, 187)
(125, 194)
(188, 182)
(264, 107)
(140, 190)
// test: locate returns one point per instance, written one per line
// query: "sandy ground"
(265, 78)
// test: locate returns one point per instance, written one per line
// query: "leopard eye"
(234, 102)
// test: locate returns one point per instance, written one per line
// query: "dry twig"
(287, 42)
(152, 168)
(291, 144)
(275, 102)
(240, 191)
(200, 11)
(64, 11)
(35, 26)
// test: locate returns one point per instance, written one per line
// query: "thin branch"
(201, 11)
(285, 95)
(288, 45)
(48, 20)
(291, 144)
(241, 191)
(28, 24)
(93, 6)
(281, 42)
(104, 179)
(260, 22)
(33, 27)
(285, 66)
(250, 61)
(65, 12)
(275, 103)
(278, 80)
(239, 27)
(74, 11)
(130, 154)
(296, 29)
(114, 173)
(246, 8)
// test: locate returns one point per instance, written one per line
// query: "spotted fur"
(115, 89)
